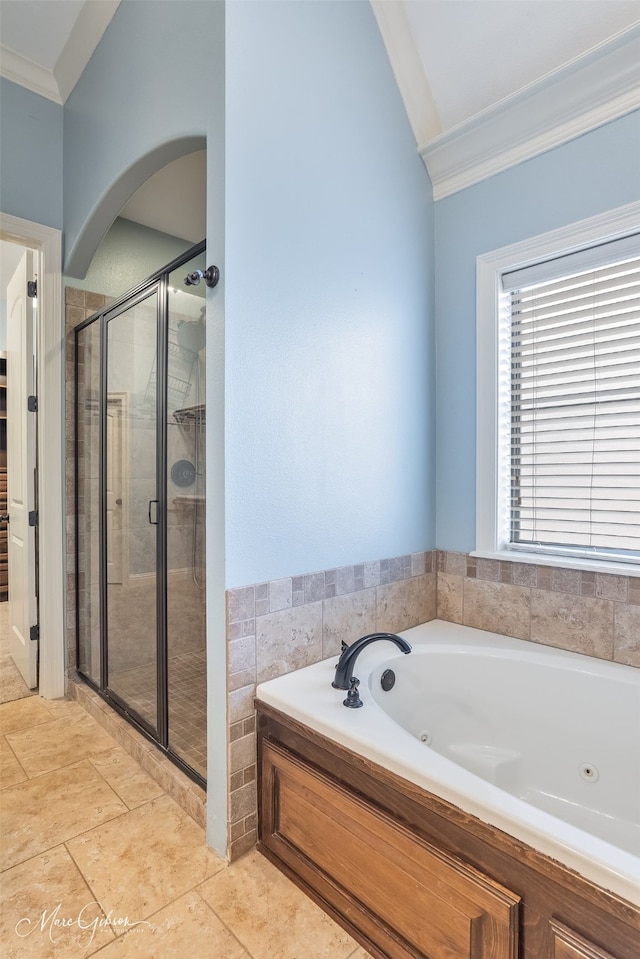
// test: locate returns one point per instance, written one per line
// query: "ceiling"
(506, 43)
(453, 60)
(474, 53)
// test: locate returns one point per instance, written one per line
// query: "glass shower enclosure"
(140, 509)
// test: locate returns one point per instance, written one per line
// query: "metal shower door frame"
(158, 284)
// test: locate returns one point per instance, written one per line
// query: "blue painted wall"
(31, 167)
(329, 297)
(328, 245)
(129, 253)
(152, 91)
(590, 175)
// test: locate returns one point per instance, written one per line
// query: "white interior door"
(21, 471)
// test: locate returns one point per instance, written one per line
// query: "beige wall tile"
(243, 802)
(497, 607)
(566, 580)
(346, 618)
(244, 844)
(242, 753)
(241, 703)
(578, 623)
(406, 603)
(449, 597)
(455, 563)
(626, 635)
(288, 639)
(612, 587)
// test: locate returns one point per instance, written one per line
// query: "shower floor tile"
(187, 682)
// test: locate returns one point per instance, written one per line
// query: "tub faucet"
(344, 669)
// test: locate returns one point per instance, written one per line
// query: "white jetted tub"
(539, 742)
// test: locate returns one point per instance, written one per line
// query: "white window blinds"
(575, 404)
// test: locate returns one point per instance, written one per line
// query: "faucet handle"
(353, 700)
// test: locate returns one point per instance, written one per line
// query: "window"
(559, 395)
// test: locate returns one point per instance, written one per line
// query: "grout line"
(10, 747)
(231, 932)
(94, 896)
(42, 852)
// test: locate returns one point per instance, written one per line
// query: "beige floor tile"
(64, 709)
(125, 776)
(23, 714)
(271, 916)
(36, 897)
(43, 812)
(11, 772)
(185, 928)
(58, 743)
(360, 954)
(146, 859)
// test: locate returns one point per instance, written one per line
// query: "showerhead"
(192, 335)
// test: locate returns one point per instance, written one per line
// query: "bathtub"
(538, 742)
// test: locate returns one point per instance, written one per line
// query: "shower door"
(131, 527)
(140, 509)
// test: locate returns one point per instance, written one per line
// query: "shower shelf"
(196, 499)
(180, 352)
(191, 415)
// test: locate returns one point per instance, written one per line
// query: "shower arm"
(210, 276)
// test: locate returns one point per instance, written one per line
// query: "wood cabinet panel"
(569, 945)
(425, 903)
(297, 822)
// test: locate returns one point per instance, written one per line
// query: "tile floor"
(97, 860)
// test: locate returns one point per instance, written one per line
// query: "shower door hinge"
(34, 632)
(33, 517)
(32, 404)
(32, 289)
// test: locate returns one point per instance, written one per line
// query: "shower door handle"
(154, 522)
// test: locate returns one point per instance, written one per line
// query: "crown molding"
(406, 64)
(586, 93)
(26, 73)
(87, 32)
(57, 84)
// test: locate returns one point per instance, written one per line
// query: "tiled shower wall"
(274, 628)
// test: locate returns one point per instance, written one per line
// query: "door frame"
(47, 242)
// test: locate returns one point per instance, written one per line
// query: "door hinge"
(34, 632)
(33, 517)
(32, 289)
(32, 404)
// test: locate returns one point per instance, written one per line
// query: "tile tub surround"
(276, 627)
(593, 613)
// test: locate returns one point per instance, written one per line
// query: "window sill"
(564, 562)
